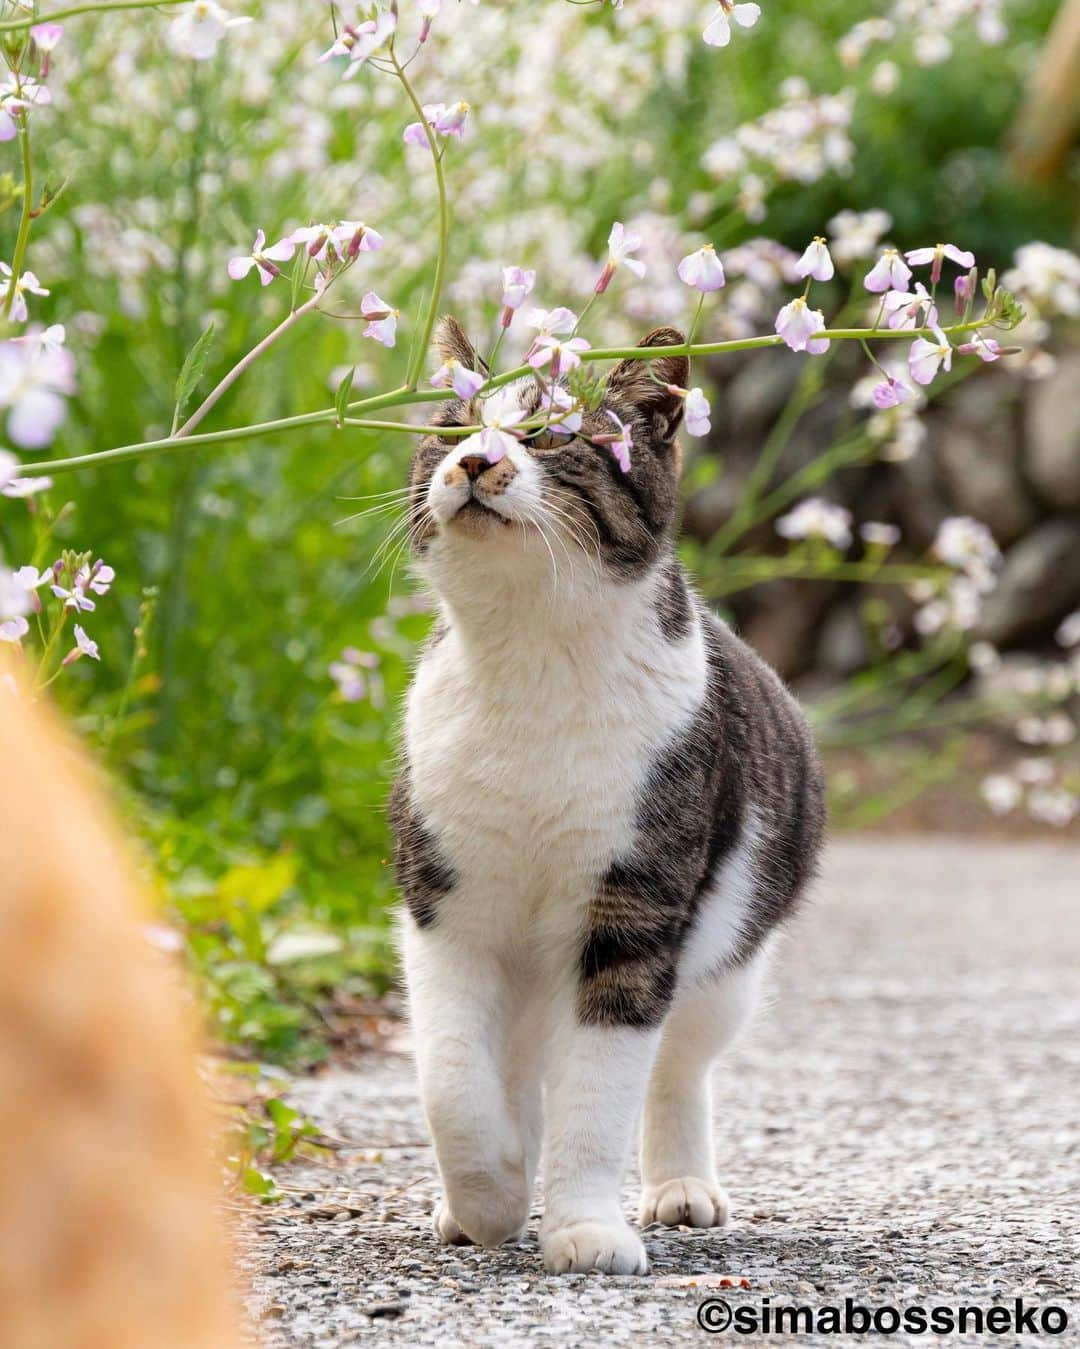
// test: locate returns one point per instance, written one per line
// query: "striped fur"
(608, 804)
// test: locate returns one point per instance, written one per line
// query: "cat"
(109, 1232)
(607, 805)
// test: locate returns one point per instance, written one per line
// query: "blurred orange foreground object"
(109, 1238)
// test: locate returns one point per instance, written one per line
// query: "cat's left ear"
(451, 344)
(643, 383)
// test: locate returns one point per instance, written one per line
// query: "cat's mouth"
(475, 515)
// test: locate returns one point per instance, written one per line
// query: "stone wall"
(999, 446)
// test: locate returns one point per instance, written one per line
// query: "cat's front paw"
(686, 1202)
(447, 1228)
(578, 1248)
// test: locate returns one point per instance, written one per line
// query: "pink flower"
(497, 437)
(698, 413)
(354, 236)
(445, 119)
(816, 261)
(265, 259)
(557, 400)
(517, 284)
(14, 629)
(97, 578)
(76, 598)
(620, 443)
(21, 488)
(26, 284)
(317, 240)
(560, 320)
(347, 673)
(964, 290)
(718, 29)
(890, 393)
(47, 35)
(361, 42)
(83, 647)
(703, 270)
(909, 309)
(918, 257)
(18, 94)
(563, 353)
(382, 319)
(986, 348)
(925, 357)
(890, 272)
(36, 373)
(429, 12)
(464, 382)
(621, 243)
(797, 323)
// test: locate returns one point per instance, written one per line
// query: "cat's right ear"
(451, 344)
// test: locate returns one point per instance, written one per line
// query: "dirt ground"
(900, 1128)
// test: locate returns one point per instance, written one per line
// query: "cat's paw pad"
(686, 1202)
(578, 1248)
(447, 1228)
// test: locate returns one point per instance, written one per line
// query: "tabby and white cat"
(607, 805)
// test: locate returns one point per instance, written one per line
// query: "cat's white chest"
(528, 763)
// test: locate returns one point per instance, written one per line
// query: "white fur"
(530, 728)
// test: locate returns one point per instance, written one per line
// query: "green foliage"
(258, 792)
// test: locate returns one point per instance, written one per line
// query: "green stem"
(751, 572)
(14, 25)
(420, 354)
(407, 393)
(246, 361)
(24, 220)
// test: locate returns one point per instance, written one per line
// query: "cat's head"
(554, 495)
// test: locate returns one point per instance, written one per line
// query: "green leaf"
(260, 1183)
(341, 398)
(192, 369)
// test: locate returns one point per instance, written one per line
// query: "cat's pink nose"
(473, 464)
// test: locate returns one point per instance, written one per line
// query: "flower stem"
(14, 25)
(420, 353)
(245, 361)
(405, 395)
(23, 235)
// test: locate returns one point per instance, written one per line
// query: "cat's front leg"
(595, 1089)
(461, 1005)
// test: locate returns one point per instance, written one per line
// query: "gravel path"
(901, 1128)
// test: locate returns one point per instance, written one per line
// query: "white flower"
(816, 261)
(968, 545)
(1057, 807)
(984, 658)
(816, 518)
(198, 31)
(797, 325)
(882, 535)
(1068, 632)
(718, 29)
(1001, 793)
(855, 234)
(698, 413)
(928, 356)
(1047, 277)
(890, 272)
(703, 270)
